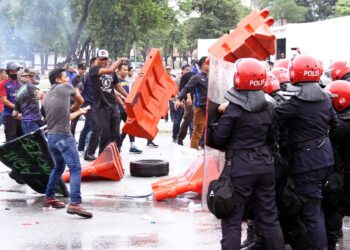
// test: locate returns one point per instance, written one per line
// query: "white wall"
(328, 40)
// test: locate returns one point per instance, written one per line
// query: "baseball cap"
(13, 66)
(81, 66)
(102, 53)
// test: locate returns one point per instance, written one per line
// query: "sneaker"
(88, 157)
(135, 150)
(78, 210)
(53, 202)
(152, 144)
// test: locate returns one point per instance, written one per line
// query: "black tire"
(149, 168)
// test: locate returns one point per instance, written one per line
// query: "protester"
(61, 143)
(130, 77)
(8, 92)
(198, 83)
(75, 82)
(105, 83)
(91, 121)
(27, 108)
(3, 77)
(122, 73)
(187, 122)
(244, 131)
(178, 113)
(71, 73)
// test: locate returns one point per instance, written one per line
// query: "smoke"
(28, 28)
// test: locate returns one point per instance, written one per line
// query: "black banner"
(29, 156)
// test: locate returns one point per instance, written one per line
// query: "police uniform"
(337, 188)
(308, 117)
(244, 128)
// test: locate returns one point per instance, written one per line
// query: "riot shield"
(220, 80)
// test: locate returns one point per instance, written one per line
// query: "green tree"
(115, 25)
(285, 9)
(317, 9)
(216, 17)
(342, 8)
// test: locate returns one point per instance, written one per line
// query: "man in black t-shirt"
(105, 85)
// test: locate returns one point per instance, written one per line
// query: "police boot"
(250, 236)
(332, 238)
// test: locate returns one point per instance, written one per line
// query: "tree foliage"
(285, 9)
(342, 8)
(317, 9)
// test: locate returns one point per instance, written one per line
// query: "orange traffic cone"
(107, 165)
(191, 180)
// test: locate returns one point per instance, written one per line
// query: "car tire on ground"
(149, 168)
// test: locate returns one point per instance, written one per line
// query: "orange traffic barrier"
(148, 99)
(191, 180)
(107, 165)
(252, 38)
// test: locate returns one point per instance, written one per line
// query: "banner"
(30, 157)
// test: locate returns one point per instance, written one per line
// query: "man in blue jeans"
(27, 107)
(61, 142)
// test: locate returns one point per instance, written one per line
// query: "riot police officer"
(243, 130)
(339, 70)
(308, 116)
(337, 203)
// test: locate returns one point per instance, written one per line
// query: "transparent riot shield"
(220, 80)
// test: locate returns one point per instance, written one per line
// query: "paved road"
(119, 222)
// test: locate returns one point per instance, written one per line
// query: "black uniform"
(308, 117)
(244, 128)
(337, 204)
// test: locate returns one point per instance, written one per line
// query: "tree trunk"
(87, 55)
(46, 59)
(55, 58)
(83, 49)
(73, 40)
(42, 61)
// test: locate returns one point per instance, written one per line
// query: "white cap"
(102, 53)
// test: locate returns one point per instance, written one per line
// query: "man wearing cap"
(75, 82)
(27, 107)
(3, 77)
(8, 92)
(105, 84)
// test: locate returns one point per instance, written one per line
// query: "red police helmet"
(305, 68)
(340, 93)
(338, 70)
(272, 84)
(282, 63)
(281, 74)
(250, 74)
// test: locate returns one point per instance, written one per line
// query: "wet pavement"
(125, 215)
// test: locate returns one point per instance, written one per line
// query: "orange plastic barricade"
(251, 38)
(107, 165)
(148, 99)
(191, 180)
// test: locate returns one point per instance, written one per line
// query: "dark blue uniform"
(246, 133)
(308, 123)
(337, 205)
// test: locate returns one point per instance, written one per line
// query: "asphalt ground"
(125, 216)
